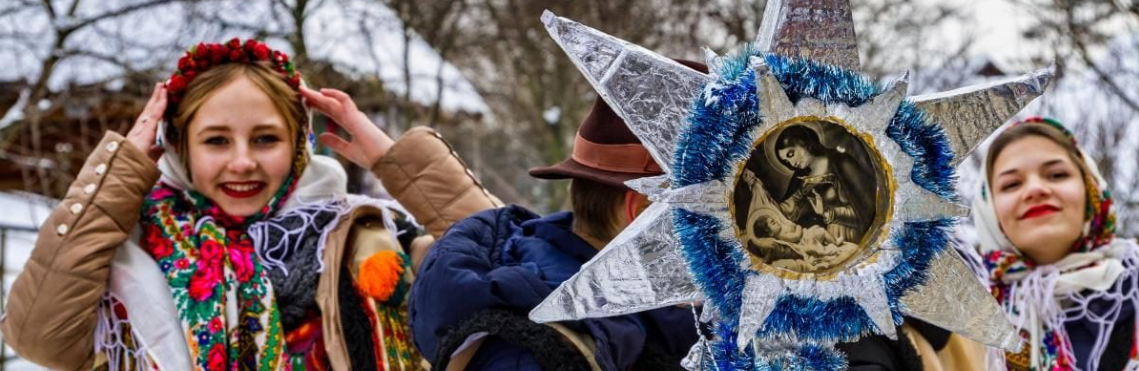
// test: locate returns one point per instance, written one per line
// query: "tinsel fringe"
(837, 320)
(722, 122)
(807, 357)
(716, 259)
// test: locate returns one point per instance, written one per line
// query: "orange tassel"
(380, 274)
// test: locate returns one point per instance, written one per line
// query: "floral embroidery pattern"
(395, 338)
(1052, 354)
(1000, 264)
(223, 294)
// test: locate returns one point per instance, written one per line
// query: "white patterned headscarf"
(1040, 299)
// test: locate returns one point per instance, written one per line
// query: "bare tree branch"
(48, 8)
(1104, 76)
(73, 8)
(115, 13)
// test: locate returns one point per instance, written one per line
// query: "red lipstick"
(242, 189)
(1038, 211)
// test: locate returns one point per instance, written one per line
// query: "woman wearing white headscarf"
(1046, 230)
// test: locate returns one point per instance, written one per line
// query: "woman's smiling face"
(240, 148)
(1040, 198)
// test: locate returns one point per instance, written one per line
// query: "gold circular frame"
(868, 248)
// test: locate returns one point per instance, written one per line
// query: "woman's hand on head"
(146, 126)
(368, 144)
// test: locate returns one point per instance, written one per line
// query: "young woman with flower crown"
(238, 249)
(1046, 228)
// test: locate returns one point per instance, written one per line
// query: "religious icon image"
(808, 206)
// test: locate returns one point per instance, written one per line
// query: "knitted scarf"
(1041, 298)
(223, 294)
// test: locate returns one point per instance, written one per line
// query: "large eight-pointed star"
(646, 267)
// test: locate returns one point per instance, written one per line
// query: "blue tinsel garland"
(808, 357)
(722, 122)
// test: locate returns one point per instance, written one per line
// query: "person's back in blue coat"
(483, 277)
(488, 271)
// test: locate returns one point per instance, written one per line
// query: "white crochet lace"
(1035, 299)
(272, 252)
(110, 339)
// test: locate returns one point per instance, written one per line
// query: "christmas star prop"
(707, 130)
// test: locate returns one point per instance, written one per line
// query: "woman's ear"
(635, 203)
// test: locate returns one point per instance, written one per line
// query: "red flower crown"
(203, 56)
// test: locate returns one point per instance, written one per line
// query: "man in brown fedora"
(605, 155)
(470, 299)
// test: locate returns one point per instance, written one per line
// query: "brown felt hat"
(605, 150)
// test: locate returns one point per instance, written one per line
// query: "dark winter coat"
(486, 274)
(1082, 332)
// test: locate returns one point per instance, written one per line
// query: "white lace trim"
(271, 255)
(109, 338)
(1041, 308)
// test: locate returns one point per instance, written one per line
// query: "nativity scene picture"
(802, 203)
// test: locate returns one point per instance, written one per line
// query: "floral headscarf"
(222, 291)
(1032, 294)
(220, 286)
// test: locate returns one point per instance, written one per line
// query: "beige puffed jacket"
(51, 311)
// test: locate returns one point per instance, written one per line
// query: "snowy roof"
(375, 44)
(358, 37)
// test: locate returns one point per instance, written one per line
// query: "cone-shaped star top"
(820, 30)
